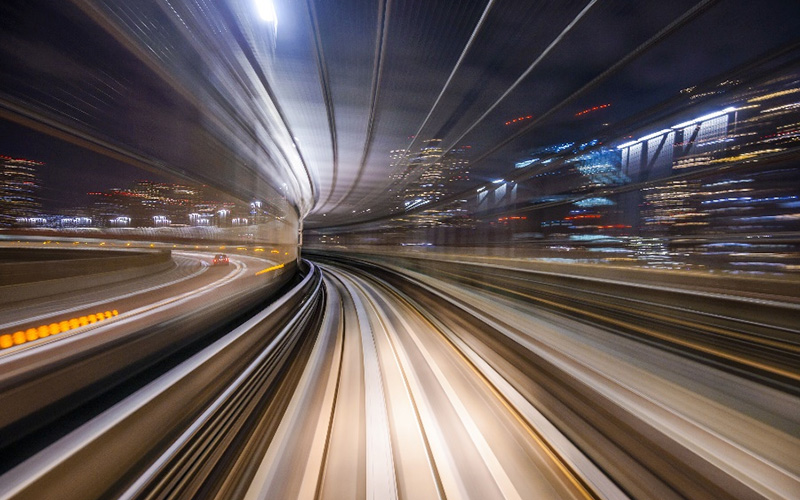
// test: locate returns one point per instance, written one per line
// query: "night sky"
(187, 114)
(70, 171)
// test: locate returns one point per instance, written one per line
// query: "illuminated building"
(149, 203)
(19, 186)
(399, 166)
(424, 176)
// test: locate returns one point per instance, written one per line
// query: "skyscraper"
(19, 186)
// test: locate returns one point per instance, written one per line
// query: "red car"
(220, 260)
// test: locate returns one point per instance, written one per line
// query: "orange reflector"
(22, 337)
(7, 341)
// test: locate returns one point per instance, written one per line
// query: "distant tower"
(425, 179)
(19, 189)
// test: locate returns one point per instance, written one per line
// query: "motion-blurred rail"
(367, 381)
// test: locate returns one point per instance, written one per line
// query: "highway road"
(191, 284)
(365, 381)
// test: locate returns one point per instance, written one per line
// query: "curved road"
(191, 284)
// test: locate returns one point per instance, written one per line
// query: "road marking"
(273, 268)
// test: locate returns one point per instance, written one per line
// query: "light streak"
(679, 126)
(273, 268)
(593, 108)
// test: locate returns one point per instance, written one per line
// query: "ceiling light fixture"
(266, 9)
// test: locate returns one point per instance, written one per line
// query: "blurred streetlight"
(266, 9)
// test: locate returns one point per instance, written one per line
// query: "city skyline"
(142, 203)
(68, 172)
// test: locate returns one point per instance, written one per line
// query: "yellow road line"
(273, 268)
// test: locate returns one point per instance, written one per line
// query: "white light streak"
(704, 118)
(679, 126)
(654, 135)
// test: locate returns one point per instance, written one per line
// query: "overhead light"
(266, 9)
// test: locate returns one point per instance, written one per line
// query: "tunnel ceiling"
(344, 104)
